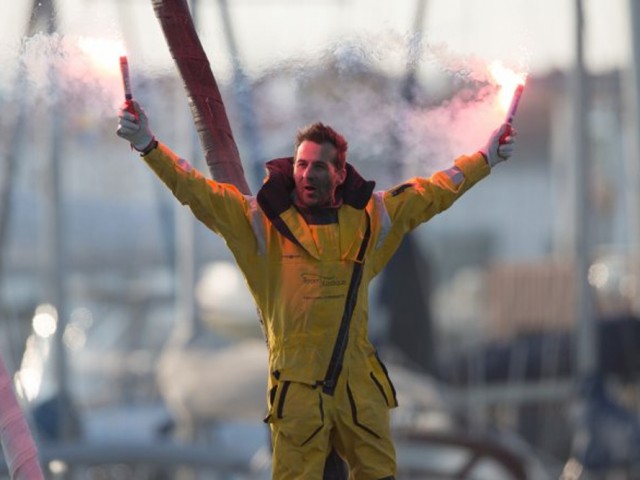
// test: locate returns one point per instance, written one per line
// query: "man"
(309, 244)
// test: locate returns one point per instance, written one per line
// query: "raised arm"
(417, 200)
(220, 206)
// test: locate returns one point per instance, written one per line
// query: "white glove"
(135, 130)
(500, 145)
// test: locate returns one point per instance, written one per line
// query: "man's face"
(316, 175)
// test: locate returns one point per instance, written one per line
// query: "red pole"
(207, 108)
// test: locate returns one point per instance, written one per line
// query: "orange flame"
(508, 80)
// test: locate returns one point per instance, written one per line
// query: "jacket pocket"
(369, 411)
(380, 388)
(380, 377)
(296, 411)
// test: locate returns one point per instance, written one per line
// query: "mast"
(631, 94)
(586, 346)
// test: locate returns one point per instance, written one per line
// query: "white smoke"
(53, 68)
(356, 86)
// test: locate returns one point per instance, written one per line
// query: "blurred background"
(509, 323)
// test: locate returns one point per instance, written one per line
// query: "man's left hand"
(501, 145)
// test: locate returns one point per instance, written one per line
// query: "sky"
(537, 33)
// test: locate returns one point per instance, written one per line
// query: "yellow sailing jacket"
(299, 273)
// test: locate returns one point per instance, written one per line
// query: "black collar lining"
(275, 195)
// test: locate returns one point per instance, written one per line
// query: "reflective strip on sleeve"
(455, 174)
(184, 165)
(257, 224)
(385, 219)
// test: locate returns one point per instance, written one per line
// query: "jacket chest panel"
(316, 243)
(327, 241)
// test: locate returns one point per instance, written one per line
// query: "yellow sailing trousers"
(306, 422)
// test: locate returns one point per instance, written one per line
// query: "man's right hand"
(135, 131)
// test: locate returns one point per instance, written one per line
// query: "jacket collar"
(274, 197)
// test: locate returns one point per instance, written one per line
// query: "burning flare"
(508, 80)
(102, 53)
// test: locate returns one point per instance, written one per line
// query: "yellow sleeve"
(219, 206)
(419, 199)
(414, 202)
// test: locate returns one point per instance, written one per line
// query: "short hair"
(320, 133)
